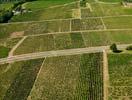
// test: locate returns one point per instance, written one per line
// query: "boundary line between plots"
(17, 45)
(36, 78)
(105, 75)
(40, 21)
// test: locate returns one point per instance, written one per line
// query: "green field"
(60, 12)
(120, 68)
(6, 30)
(42, 4)
(17, 79)
(111, 0)
(118, 22)
(6, 6)
(6, 45)
(77, 77)
(115, 9)
(4, 51)
(73, 40)
(87, 24)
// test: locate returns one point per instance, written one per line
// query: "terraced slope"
(76, 77)
(120, 73)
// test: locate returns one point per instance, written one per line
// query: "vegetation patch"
(118, 22)
(77, 40)
(62, 41)
(120, 76)
(107, 38)
(76, 77)
(4, 51)
(129, 47)
(24, 80)
(36, 44)
(87, 24)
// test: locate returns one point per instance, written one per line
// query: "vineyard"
(87, 24)
(77, 77)
(120, 69)
(18, 75)
(60, 50)
(62, 41)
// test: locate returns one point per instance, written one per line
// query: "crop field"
(18, 75)
(36, 44)
(5, 6)
(37, 5)
(115, 9)
(6, 45)
(87, 24)
(17, 79)
(44, 14)
(118, 22)
(72, 40)
(107, 38)
(111, 0)
(120, 68)
(57, 50)
(77, 77)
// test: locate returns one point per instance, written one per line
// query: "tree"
(113, 47)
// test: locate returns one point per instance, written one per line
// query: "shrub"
(129, 47)
(83, 3)
(5, 16)
(4, 51)
(113, 47)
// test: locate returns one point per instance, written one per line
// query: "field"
(18, 75)
(6, 45)
(120, 68)
(53, 12)
(6, 6)
(63, 41)
(77, 77)
(58, 50)
(36, 5)
(118, 22)
(111, 0)
(70, 77)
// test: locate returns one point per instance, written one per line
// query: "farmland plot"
(16, 79)
(94, 12)
(36, 44)
(60, 12)
(43, 27)
(87, 24)
(115, 9)
(62, 41)
(77, 77)
(86, 13)
(77, 40)
(73, 40)
(103, 38)
(120, 72)
(42, 4)
(118, 22)
(6, 45)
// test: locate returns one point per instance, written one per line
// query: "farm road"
(58, 53)
(114, 16)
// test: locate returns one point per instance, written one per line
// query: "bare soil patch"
(17, 34)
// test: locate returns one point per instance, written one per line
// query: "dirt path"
(65, 19)
(100, 30)
(29, 97)
(105, 75)
(57, 53)
(63, 4)
(14, 48)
